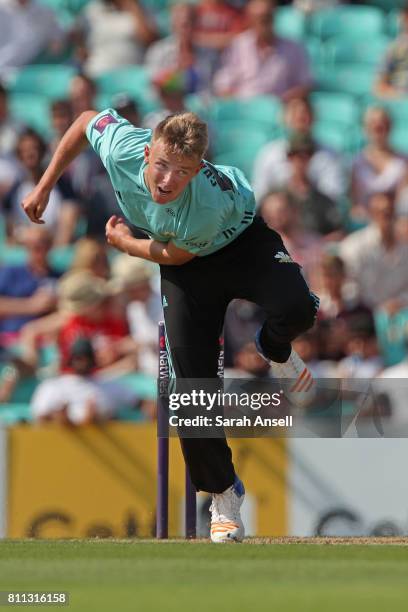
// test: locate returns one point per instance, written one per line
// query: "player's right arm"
(72, 143)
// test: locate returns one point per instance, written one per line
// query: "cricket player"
(211, 248)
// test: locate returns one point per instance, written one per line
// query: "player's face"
(168, 174)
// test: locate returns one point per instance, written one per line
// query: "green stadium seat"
(391, 335)
(354, 79)
(397, 108)
(197, 104)
(358, 21)
(399, 138)
(242, 158)
(316, 52)
(12, 255)
(230, 135)
(31, 110)
(335, 136)
(289, 22)
(388, 5)
(133, 80)
(61, 257)
(51, 81)
(393, 25)
(335, 107)
(14, 413)
(265, 111)
(345, 50)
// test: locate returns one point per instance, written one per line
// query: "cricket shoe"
(300, 387)
(226, 522)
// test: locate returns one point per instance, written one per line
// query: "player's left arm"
(119, 235)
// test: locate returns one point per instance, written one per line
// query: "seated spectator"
(88, 309)
(259, 62)
(171, 87)
(319, 214)
(179, 52)
(89, 179)
(91, 256)
(362, 355)
(248, 363)
(27, 28)
(27, 291)
(116, 34)
(242, 321)
(376, 260)
(61, 118)
(63, 211)
(338, 297)
(272, 168)
(377, 168)
(216, 23)
(82, 94)
(127, 108)
(79, 398)
(133, 278)
(285, 218)
(392, 80)
(308, 346)
(9, 129)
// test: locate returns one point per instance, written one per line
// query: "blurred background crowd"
(308, 98)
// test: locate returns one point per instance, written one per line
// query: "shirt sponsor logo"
(103, 121)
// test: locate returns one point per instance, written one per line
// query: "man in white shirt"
(377, 260)
(26, 29)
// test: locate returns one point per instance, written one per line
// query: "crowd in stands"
(309, 98)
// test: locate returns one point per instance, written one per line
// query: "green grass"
(148, 576)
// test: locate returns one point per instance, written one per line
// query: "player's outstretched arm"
(119, 235)
(71, 145)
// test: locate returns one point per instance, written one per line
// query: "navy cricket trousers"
(254, 267)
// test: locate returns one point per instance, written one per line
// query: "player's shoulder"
(118, 132)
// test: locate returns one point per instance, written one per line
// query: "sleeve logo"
(103, 121)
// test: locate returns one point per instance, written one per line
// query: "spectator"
(259, 62)
(171, 88)
(376, 259)
(362, 356)
(27, 28)
(82, 94)
(88, 310)
(63, 211)
(338, 297)
(248, 363)
(61, 119)
(392, 80)
(79, 398)
(116, 33)
(9, 129)
(178, 52)
(377, 168)
(242, 320)
(319, 213)
(91, 255)
(216, 23)
(127, 107)
(89, 178)
(272, 168)
(27, 291)
(284, 217)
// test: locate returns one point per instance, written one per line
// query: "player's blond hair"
(184, 133)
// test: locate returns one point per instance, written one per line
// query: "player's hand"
(35, 204)
(115, 231)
